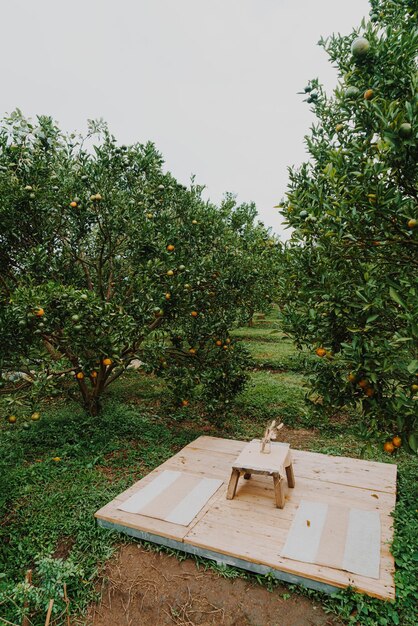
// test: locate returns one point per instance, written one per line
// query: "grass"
(47, 506)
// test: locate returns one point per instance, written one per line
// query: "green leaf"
(413, 442)
(396, 297)
(412, 366)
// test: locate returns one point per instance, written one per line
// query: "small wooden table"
(275, 463)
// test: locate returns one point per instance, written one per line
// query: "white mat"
(175, 497)
(336, 536)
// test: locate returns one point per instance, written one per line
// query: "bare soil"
(145, 588)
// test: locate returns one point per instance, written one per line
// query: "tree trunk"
(92, 405)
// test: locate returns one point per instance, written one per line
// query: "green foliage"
(107, 259)
(350, 281)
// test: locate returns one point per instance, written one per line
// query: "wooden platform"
(249, 531)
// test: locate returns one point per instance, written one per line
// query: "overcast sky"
(212, 82)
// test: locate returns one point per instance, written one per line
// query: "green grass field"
(47, 505)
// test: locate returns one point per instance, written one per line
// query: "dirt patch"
(64, 547)
(147, 588)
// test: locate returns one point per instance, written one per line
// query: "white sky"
(212, 82)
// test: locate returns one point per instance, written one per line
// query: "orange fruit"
(368, 94)
(194, 222)
(194, 313)
(170, 247)
(369, 391)
(363, 383)
(167, 296)
(218, 342)
(56, 459)
(35, 416)
(192, 350)
(397, 441)
(412, 223)
(107, 361)
(185, 403)
(12, 419)
(39, 312)
(389, 447)
(93, 374)
(338, 128)
(321, 352)
(79, 375)
(170, 273)
(73, 204)
(227, 340)
(225, 347)
(351, 377)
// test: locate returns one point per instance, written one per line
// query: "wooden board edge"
(228, 559)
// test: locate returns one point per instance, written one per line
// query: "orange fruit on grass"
(388, 447)
(397, 441)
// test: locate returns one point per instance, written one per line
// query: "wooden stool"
(275, 463)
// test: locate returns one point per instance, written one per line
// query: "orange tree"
(350, 286)
(106, 259)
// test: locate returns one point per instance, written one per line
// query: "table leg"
(278, 490)
(247, 475)
(233, 482)
(290, 475)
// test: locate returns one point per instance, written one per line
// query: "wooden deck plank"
(250, 529)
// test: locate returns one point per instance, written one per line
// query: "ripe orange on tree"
(170, 273)
(194, 313)
(321, 352)
(397, 441)
(170, 247)
(369, 391)
(79, 375)
(12, 419)
(218, 342)
(363, 383)
(185, 403)
(167, 296)
(73, 204)
(107, 361)
(93, 374)
(352, 377)
(368, 94)
(39, 312)
(192, 350)
(412, 223)
(389, 447)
